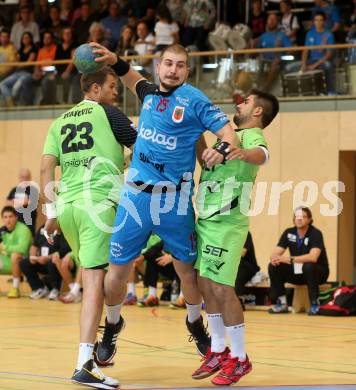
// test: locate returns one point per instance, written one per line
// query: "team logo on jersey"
(150, 159)
(178, 114)
(183, 101)
(162, 105)
(147, 104)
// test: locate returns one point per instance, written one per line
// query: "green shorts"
(220, 241)
(88, 241)
(5, 265)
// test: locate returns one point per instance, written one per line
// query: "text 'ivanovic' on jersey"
(169, 127)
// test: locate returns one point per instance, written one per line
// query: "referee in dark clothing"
(307, 263)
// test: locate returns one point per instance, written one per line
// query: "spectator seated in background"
(97, 34)
(7, 53)
(176, 8)
(248, 271)
(306, 264)
(145, 44)
(24, 198)
(257, 20)
(39, 263)
(55, 24)
(166, 29)
(102, 10)
(41, 73)
(10, 87)
(350, 23)
(331, 12)
(317, 59)
(81, 25)
(200, 19)
(271, 62)
(66, 11)
(25, 24)
(114, 24)
(126, 41)
(157, 262)
(65, 74)
(41, 12)
(15, 242)
(142, 10)
(289, 23)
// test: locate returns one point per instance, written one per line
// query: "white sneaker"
(71, 297)
(39, 293)
(259, 277)
(90, 375)
(53, 295)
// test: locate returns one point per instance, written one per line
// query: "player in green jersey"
(15, 242)
(87, 143)
(223, 202)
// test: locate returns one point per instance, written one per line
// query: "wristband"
(51, 210)
(121, 67)
(223, 148)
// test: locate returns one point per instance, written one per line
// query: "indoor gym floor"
(38, 347)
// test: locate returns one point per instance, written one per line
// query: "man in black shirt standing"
(307, 263)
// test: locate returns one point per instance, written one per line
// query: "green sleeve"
(22, 240)
(52, 142)
(253, 140)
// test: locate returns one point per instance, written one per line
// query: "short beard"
(238, 120)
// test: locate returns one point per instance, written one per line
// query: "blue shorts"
(165, 214)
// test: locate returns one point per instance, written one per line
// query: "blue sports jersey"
(272, 39)
(332, 15)
(169, 126)
(315, 38)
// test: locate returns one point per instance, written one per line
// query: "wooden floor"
(38, 347)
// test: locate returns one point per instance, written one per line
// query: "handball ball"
(84, 59)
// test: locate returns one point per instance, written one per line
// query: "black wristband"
(223, 148)
(121, 67)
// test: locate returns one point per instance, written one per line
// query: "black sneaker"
(200, 335)
(90, 375)
(105, 349)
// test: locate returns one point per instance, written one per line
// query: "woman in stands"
(10, 87)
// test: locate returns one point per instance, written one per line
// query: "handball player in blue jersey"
(157, 195)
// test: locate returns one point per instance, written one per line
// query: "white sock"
(236, 334)
(131, 288)
(75, 288)
(16, 282)
(85, 353)
(217, 331)
(113, 313)
(283, 299)
(193, 312)
(152, 291)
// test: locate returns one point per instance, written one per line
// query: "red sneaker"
(212, 363)
(148, 301)
(232, 371)
(130, 299)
